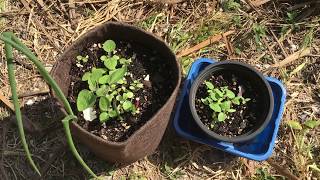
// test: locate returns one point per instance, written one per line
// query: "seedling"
(108, 88)
(83, 59)
(221, 101)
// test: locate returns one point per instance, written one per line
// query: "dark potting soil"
(237, 123)
(152, 97)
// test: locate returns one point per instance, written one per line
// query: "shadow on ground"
(52, 155)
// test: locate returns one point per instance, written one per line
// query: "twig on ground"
(249, 2)
(293, 57)
(203, 44)
(228, 45)
(6, 101)
(35, 93)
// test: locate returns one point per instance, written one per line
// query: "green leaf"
(230, 94)
(312, 123)
(117, 75)
(86, 76)
(139, 85)
(129, 95)
(294, 124)
(127, 105)
(215, 107)
(111, 63)
(79, 57)
(103, 117)
(213, 96)
(97, 74)
(209, 85)
(218, 92)
(225, 106)
(113, 113)
(222, 116)
(236, 100)
(104, 103)
(231, 110)
(297, 69)
(92, 85)
(102, 91)
(85, 99)
(109, 46)
(104, 58)
(104, 79)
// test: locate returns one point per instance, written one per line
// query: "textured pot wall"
(145, 140)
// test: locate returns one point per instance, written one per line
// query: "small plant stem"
(66, 126)
(9, 55)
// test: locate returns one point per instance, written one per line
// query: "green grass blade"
(9, 56)
(74, 151)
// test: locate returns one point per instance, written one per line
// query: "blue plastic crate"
(257, 149)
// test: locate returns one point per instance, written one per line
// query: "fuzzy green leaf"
(117, 75)
(86, 76)
(127, 105)
(209, 85)
(111, 63)
(103, 117)
(222, 116)
(215, 107)
(104, 103)
(104, 79)
(109, 46)
(85, 99)
(294, 124)
(225, 106)
(312, 123)
(230, 94)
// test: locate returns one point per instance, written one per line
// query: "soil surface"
(151, 97)
(237, 123)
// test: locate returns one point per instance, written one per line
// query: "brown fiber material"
(146, 139)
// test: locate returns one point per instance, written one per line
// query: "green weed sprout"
(108, 87)
(221, 100)
(11, 42)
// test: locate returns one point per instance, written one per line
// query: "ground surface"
(263, 37)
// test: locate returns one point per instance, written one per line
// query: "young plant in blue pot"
(231, 102)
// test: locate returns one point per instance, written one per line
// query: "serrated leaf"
(209, 85)
(85, 99)
(312, 123)
(127, 105)
(294, 124)
(86, 76)
(215, 107)
(103, 117)
(230, 94)
(117, 75)
(111, 63)
(225, 106)
(222, 116)
(104, 103)
(104, 79)
(109, 46)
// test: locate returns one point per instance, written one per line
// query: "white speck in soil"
(147, 78)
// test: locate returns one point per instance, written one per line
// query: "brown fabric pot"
(146, 139)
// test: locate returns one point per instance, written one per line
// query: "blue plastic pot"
(259, 148)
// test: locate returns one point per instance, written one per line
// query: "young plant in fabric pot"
(231, 102)
(121, 83)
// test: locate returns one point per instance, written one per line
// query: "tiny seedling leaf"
(102, 90)
(111, 63)
(230, 94)
(104, 103)
(103, 117)
(129, 95)
(104, 79)
(113, 113)
(117, 75)
(236, 100)
(222, 116)
(127, 105)
(294, 124)
(209, 85)
(312, 123)
(86, 76)
(231, 110)
(85, 99)
(215, 107)
(226, 105)
(97, 74)
(109, 46)
(218, 92)
(104, 58)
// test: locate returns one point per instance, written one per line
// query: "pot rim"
(125, 25)
(236, 139)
